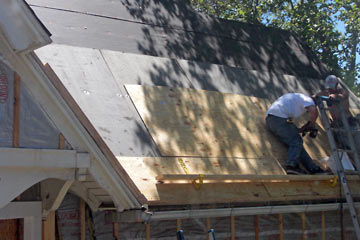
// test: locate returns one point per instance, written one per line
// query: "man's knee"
(296, 141)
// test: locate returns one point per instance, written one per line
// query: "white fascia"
(21, 27)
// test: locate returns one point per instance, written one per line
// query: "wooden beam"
(90, 223)
(343, 226)
(61, 141)
(256, 225)
(58, 226)
(53, 192)
(116, 231)
(303, 226)
(208, 227)
(252, 178)
(82, 220)
(147, 229)
(16, 112)
(281, 227)
(43, 158)
(323, 235)
(232, 227)
(222, 192)
(178, 224)
(49, 226)
(261, 188)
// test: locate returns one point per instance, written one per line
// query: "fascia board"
(21, 27)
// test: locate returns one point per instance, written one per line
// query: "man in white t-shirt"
(285, 108)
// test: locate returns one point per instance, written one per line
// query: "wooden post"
(343, 223)
(90, 223)
(16, 117)
(61, 141)
(303, 226)
(49, 224)
(58, 226)
(116, 230)
(208, 226)
(147, 228)
(232, 227)
(256, 223)
(48, 231)
(82, 220)
(323, 225)
(16, 126)
(178, 224)
(281, 227)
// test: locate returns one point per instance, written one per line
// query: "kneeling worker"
(278, 121)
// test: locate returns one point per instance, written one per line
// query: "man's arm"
(340, 94)
(313, 114)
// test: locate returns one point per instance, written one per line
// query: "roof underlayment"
(175, 101)
(99, 48)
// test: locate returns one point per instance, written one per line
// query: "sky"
(341, 28)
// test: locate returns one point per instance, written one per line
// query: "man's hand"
(305, 127)
(308, 127)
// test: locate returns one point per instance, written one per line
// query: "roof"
(177, 56)
(172, 29)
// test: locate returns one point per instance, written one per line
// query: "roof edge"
(22, 28)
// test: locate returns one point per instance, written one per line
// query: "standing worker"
(334, 92)
(279, 121)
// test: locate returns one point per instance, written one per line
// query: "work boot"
(318, 171)
(294, 170)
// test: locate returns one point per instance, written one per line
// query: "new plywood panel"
(188, 122)
(144, 170)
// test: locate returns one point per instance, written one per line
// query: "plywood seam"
(147, 129)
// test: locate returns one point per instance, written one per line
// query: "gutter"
(136, 216)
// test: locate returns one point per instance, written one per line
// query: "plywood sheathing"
(143, 172)
(188, 122)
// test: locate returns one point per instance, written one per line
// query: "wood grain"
(188, 122)
(143, 171)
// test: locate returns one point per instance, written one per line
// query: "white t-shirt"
(290, 105)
